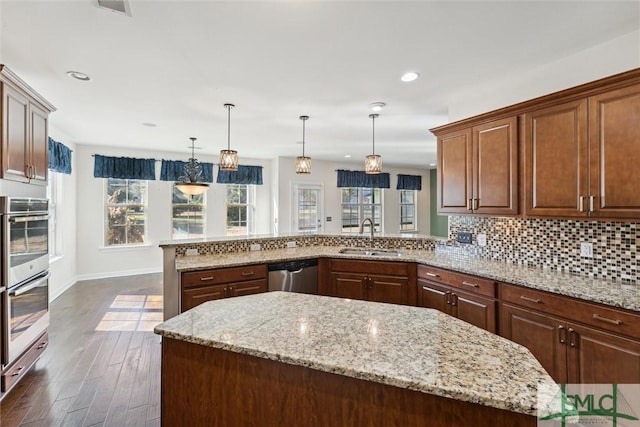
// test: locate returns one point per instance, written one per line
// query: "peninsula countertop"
(603, 291)
(408, 347)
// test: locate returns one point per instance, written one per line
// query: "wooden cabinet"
(468, 298)
(208, 285)
(14, 373)
(478, 169)
(371, 280)
(24, 135)
(603, 349)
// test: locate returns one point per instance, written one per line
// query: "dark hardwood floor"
(102, 367)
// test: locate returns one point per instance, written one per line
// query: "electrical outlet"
(291, 244)
(192, 251)
(255, 247)
(481, 238)
(329, 219)
(586, 249)
(464, 237)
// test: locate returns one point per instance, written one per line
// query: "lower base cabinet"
(14, 373)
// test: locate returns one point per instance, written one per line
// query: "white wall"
(94, 260)
(603, 60)
(323, 173)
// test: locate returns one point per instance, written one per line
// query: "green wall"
(439, 223)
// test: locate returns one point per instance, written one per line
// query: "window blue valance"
(409, 182)
(171, 170)
(244, 175)
(124, 168)
(59, 157)
(361, 179)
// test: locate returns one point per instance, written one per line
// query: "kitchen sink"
(370, 252)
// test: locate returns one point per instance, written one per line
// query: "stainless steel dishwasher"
(294, 276)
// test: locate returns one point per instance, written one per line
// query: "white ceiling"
(175, 63)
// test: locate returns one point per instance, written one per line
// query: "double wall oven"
(25, 274)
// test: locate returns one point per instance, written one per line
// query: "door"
(431, 295)
(307, 215)
(615, 153)
(555, 160)
(39, 143)
(454, 172)
(474, 309)
(388, 289)
(348, 285)
(495, 168)
(247, 288)
(192, 297)
(15, 152)
(543, 335)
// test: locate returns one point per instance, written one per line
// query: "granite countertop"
(609, 292)
(415, 348)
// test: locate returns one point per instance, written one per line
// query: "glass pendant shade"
(188, 183)
(373, 164)
(229, 157)
(303, 163)
(229, 160)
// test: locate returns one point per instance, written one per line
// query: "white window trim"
(415, 212)
(105, 220)
(361, 206)
(295, 186)
(204, 213)
(251, 210)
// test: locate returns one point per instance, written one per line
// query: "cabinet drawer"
(224, 275)
(370, 267)
(465, 282)
(21, 366)
(610, 319)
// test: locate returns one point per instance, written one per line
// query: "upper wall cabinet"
(25, 116)
(578, 149)
(478, 169)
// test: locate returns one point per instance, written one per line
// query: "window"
(240, 209)
(125, 212)
(54, 194)
(187, 215)
(407, 210)
(358, 204)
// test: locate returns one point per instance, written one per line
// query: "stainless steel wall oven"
(25, 274)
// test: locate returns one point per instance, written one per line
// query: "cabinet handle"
(27, 171)
(17, 372)
(591, 203)
(247, 273)
(473, 285)
(604, 319)
(476, 203)
(204, 279)
(432, 274)
(581, 204)
(230, 290)
(469, 201)
(35, 171)
(454, 299)
(526, 298)
(572, 335)
(43, 345)
(448, 297)
(562, 334)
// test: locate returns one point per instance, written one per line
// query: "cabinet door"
(388, 289)
(615, 153)
(598, 357)
(495, 168)
(15, 149)
(454, 172)
(432, 295)
(348, 285)
(543, 335)
(247, 288)
(555, 160)
(39, 143)
(195, 296)
(474, 309)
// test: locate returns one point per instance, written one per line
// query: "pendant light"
(373, 162)
(188, 183)
(229, 157)
(303, 163)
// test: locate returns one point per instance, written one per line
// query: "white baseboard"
(62, 290)
(108, 274)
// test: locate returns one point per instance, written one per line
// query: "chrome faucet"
(371, 228)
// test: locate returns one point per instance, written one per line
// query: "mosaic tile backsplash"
(555, 244)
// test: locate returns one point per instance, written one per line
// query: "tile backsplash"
(555, 244)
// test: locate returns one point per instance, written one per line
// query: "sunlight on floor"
(139, 313)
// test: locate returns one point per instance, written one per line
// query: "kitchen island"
(285, 359)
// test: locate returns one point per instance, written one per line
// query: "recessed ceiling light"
(410, 76)
(347, 156)
(377, 106)
(150, 125)
(78, 76)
